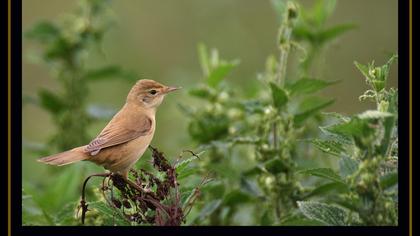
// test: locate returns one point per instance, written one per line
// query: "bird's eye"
(153, 92)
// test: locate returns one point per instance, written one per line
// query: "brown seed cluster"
(155, 201)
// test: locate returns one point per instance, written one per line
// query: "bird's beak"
(171, 89)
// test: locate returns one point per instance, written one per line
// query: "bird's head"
(148, 93)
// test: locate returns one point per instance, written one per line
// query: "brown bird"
(126, 137)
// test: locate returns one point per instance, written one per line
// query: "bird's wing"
(120, 130)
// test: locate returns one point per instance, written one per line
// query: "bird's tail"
(64, 158)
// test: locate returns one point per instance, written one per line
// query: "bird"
(127, 135)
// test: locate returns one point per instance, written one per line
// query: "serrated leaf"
(111, 214)
(329, 146)
(182, 164)
(327, 188)
(308, 85)
(220, 72)
(337, 116)
(389, 180)
(309, 107)
(279, 96)
(344, 139)
(325, 173)
(347, 166)
(50, 101)
(182, 169)
(328, 214)
(187, 172)
(356, 127)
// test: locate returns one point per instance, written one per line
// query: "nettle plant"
(257, 145)
(367, 147)
(66, 49)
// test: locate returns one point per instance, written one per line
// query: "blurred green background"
(158, 40)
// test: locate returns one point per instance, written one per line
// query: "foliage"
(368, 163)
(151, 199)
(275, 158)
(268, 125)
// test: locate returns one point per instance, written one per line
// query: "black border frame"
(16, 160)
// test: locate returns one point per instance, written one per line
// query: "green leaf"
(64, 188)
(321, 11)
(389, 180)
(203, 92)
(327, 188)
(308, 85)
(338, 137)
(267, 218)
(250, 187)
(66, 216)
(209, 208)
(325, 173)
(328, 214)
(275, 166)
(329, 146)
(111, 214)
(348, 166)
(310, 107)
(32, 213)
(334, 32)
(356, 127)
(109, 72)
(187, 172)
(216, 189)
(220, 72)
(184, 163)
(50, 101)
(363, 69)
(235, 197)
(43, 31)
(279, 96)
(338, 116)
(59, 49)
(182, 169)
